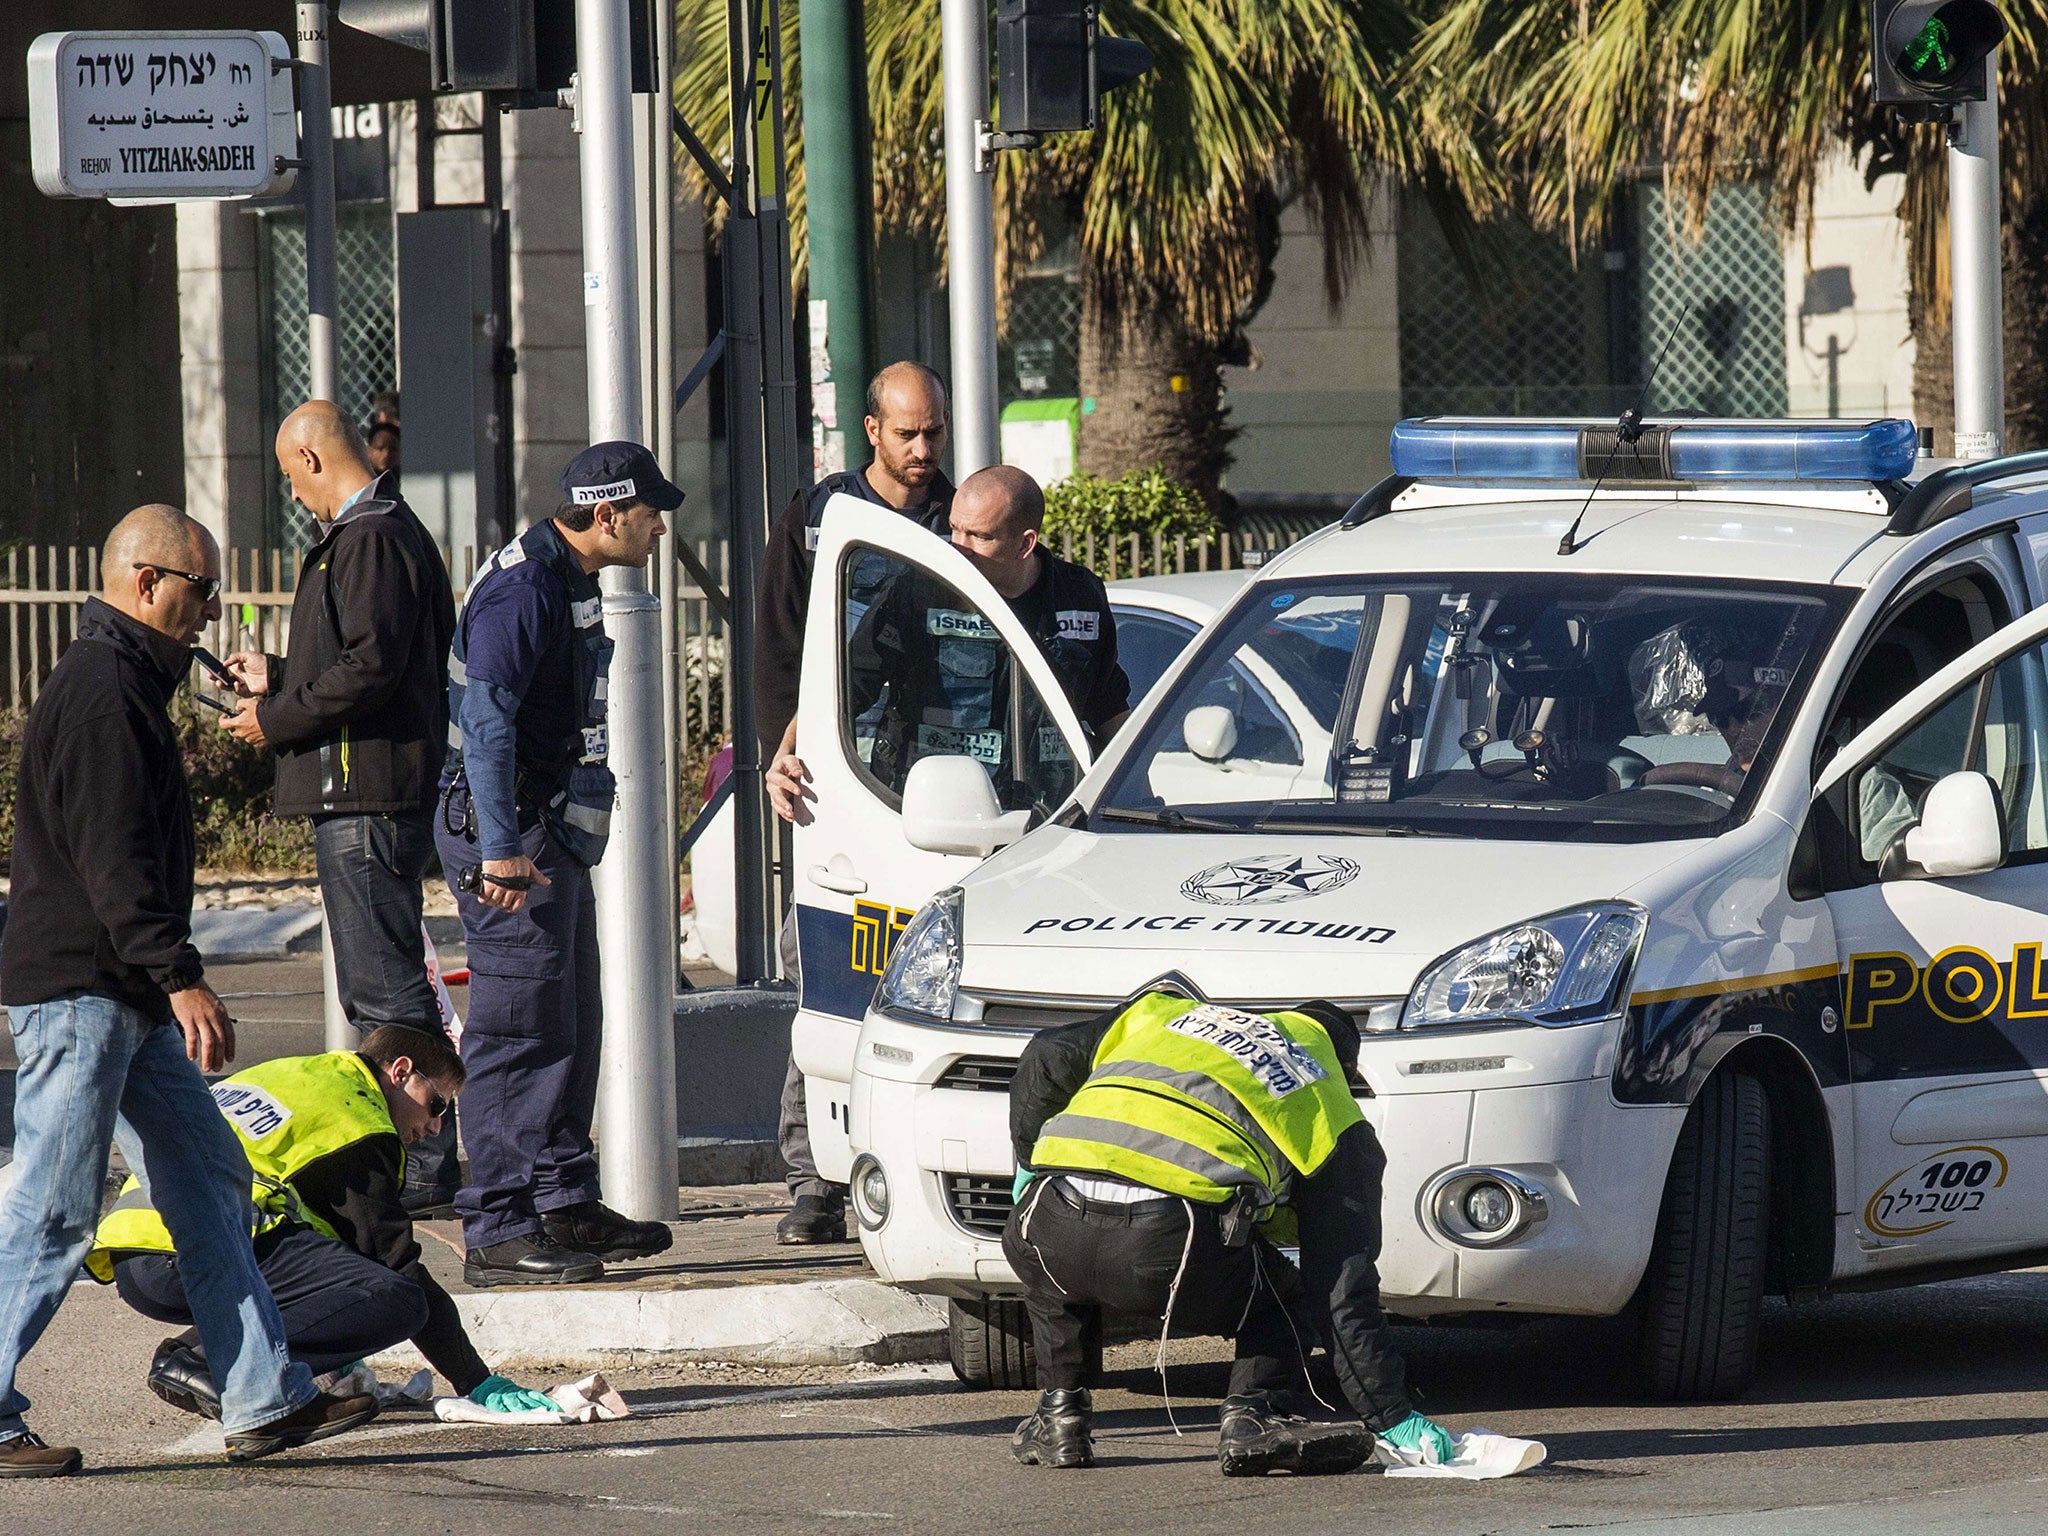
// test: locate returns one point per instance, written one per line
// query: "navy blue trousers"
(530, 1043)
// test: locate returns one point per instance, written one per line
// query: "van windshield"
(1528, 706)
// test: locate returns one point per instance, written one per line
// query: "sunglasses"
(436, 1105)
(209, 586)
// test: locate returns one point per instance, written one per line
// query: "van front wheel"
(1702, 1295)
(990, 1342)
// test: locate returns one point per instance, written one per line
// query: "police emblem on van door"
(1268, 877)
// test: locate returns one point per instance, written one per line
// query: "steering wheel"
(1721, 778)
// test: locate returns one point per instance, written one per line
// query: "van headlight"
(923, 976)
(1567, 968)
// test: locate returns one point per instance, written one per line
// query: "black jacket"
(102, 879)
(356, 1191)
(1337, 1207)
(785, 593)
(358, 710)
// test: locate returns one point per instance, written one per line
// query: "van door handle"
(838, 876)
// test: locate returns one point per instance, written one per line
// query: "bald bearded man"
(357, 711)
(110, 1009)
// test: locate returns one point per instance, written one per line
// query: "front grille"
(979, 1074)
(977, 1203)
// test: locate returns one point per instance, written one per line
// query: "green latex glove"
(1427, 1439)
(1021, 1183)
(500, 1394)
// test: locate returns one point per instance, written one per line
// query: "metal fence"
(46, 587)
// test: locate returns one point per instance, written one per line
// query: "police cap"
(618, 472)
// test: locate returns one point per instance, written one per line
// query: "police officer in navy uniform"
(906, 423)
(941, 672)
(525, 809)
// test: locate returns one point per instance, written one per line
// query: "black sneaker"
(1057, 1434)
(179, 1375)
(1260, 1436)
(816, 1219)
(430, 1205)
(594, 1227)
(321, 1419)
(535, 1259)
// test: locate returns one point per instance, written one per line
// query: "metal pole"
(747, 492)
(316, 187)
(662, 192)
(970, 237)
(1977, 321)
(635, 918)
(316, 184)
(837, 177)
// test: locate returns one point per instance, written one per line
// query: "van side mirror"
(949, 806)
(1961, 831)
(1210, 731)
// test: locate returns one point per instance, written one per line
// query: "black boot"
(536, 1259)
(594, 1227)
(816, 1219)
(1260, 1435)
(1057, 1434)
(178, 1374)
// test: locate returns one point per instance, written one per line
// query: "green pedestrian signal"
(1930, 56)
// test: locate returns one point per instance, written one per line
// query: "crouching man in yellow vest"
(326, 1138)
(1169, 1147)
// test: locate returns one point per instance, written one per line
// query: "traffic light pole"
(1977, 321)
(970, 236)
(635, 915)
(837, 176)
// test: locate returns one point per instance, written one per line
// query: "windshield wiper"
(1347, 828)
(1168, 817)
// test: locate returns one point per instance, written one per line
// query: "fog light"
(870, 1192)
(1483, 1207)
(1489, 1207)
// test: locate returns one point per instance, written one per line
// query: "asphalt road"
(1908, 1412)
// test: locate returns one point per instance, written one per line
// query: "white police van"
(1681, 846)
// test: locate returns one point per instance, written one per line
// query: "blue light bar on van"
(1473, 448)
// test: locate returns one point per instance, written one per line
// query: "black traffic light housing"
(1928, 56)
(1053, 64)
(494, 45)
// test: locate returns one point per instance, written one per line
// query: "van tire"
(989, 1340)
(1702, 1295)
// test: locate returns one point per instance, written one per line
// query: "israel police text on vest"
(575, 790)
(287, 1114)
(1205, 1102)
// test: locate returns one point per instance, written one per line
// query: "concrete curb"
(814, 1322)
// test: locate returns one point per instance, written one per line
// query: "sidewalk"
(725, 1292)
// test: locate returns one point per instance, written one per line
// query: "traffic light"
(1931, 55)
(1053, 65)
(494, 45)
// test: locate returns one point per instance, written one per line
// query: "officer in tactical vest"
(1167, 1149)
(325, 1138)
(907, 422)
(526, 802)
(941, 671)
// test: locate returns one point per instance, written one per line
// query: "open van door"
(925, 659)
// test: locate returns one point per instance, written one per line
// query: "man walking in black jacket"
(358, 715)
(101, 981)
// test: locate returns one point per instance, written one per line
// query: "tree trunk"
(2026, 326)
(1157, 397)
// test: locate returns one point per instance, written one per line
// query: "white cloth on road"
(1476, 1454)
(581, 1402)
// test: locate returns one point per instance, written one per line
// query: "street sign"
(151, 117)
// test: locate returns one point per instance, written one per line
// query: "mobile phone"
(212, 703)
(215, 665)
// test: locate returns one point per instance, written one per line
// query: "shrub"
(1146, 502)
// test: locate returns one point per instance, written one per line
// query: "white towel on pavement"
(1476, 1454)
(582, 1402)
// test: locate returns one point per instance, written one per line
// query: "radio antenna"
(1628, 429)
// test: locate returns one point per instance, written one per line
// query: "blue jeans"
(370, 869)
(93, 1069)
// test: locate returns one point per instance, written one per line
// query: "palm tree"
(1174, 199)
(1576, 98)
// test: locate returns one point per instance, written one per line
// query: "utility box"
(446, 354)
(1043, 437)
